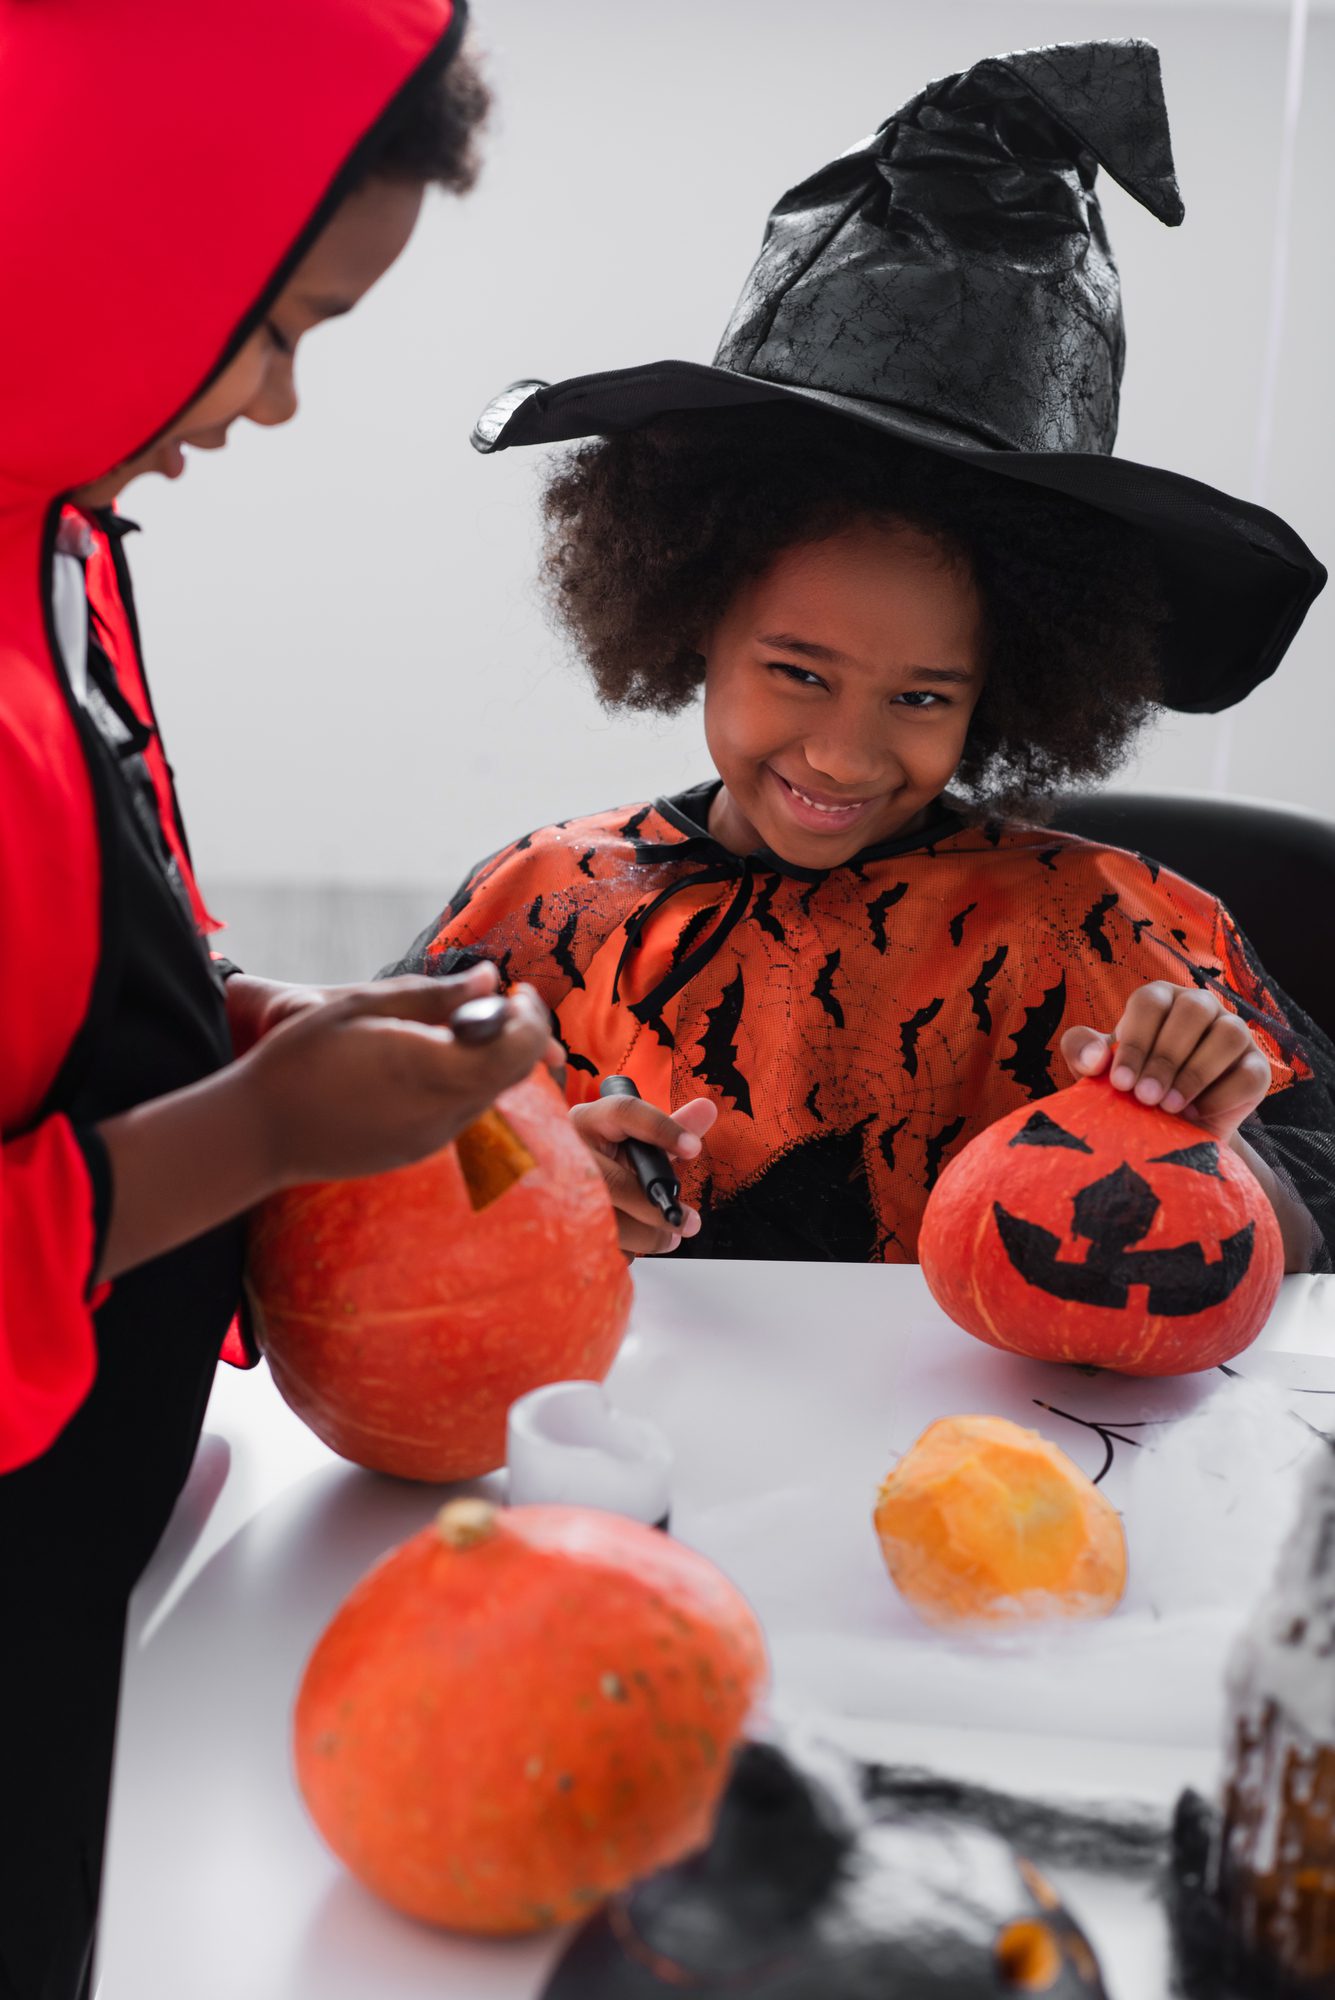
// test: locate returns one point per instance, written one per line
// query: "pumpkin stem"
(465, 1523)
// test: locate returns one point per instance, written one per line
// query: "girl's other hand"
(1180, 1048)
(604, 1124)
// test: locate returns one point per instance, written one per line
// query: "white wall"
(354, 677)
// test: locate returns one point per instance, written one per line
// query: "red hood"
(200, 140)
(163, 164)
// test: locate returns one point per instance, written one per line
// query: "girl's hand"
(1180, 1048)
(603, 1125)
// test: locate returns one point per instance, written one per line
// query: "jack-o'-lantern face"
(794, 1898)
(1096, 1229)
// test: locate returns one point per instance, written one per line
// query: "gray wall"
(354, 675)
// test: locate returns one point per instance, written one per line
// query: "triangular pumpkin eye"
(1040, 1130)
(1201, 1159)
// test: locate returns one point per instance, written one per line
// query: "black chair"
(1272, 866)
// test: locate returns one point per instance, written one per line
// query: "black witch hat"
(950, 282)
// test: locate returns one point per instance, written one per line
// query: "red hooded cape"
(163, 165)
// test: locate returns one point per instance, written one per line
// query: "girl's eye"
(802, 675)
(922, 698)
(278, 337)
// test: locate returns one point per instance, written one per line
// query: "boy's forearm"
(1299, 1232)
(182, 1164)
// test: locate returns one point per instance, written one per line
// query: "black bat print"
(1031, 1062)
(957, 923)
(879, 908)
(718, 1046)
(978, 992)
(823, 990)
(561, 950)
(1092, 926)
(910, 1030)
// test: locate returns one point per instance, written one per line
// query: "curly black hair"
(430, 133)
(650, 534)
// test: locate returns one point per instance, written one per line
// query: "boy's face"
(362, 239)
(838, 691)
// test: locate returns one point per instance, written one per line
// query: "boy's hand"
(603, 1124)
(1180, 1048)
(255, 1007)
(347, 1084)
(370, 1078)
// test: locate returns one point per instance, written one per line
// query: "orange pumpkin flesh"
(518, 1713)
(986, 1522)
(1094, 1228)
(402, 1315)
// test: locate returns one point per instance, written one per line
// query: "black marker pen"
(653, 1169)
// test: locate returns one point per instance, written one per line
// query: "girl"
(918, 596)
(184, 193)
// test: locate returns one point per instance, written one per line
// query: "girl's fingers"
(613, 1119)
(1183, 1055)
(696, 1116)
(1222, 1106)
(1138, 1030)
(1085, 1051)
(638, 1241)
(631, 1202)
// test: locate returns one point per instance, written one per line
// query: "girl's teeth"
(824, 809)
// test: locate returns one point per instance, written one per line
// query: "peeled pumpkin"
(984, 1522)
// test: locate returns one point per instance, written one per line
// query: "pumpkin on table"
(401, 1315)
(1094, 1228)
(519, 1712)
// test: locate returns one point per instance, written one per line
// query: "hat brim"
(594, 1966)
(1237, 579)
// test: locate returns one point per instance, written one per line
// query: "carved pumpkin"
(801, 1894)
(519, 1712)
(985, 1521)
(1093, 1228)
(402, 1315)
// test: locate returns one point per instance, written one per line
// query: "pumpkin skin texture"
(1094, 1228)
(401, 1315)
(518, 1712)
(802, 1896)
(985, 1522)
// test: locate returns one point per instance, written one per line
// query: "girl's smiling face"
(839, 686)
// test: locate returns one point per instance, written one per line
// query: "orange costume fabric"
(855, 1028)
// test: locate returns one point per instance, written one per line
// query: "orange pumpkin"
(402, 1315)
(984, 1521)
(518, 1713)
(1095, 1228)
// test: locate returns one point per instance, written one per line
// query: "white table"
(787, 1390)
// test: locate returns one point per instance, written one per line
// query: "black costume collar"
(688, 812)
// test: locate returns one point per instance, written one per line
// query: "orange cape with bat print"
(856, 1027)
